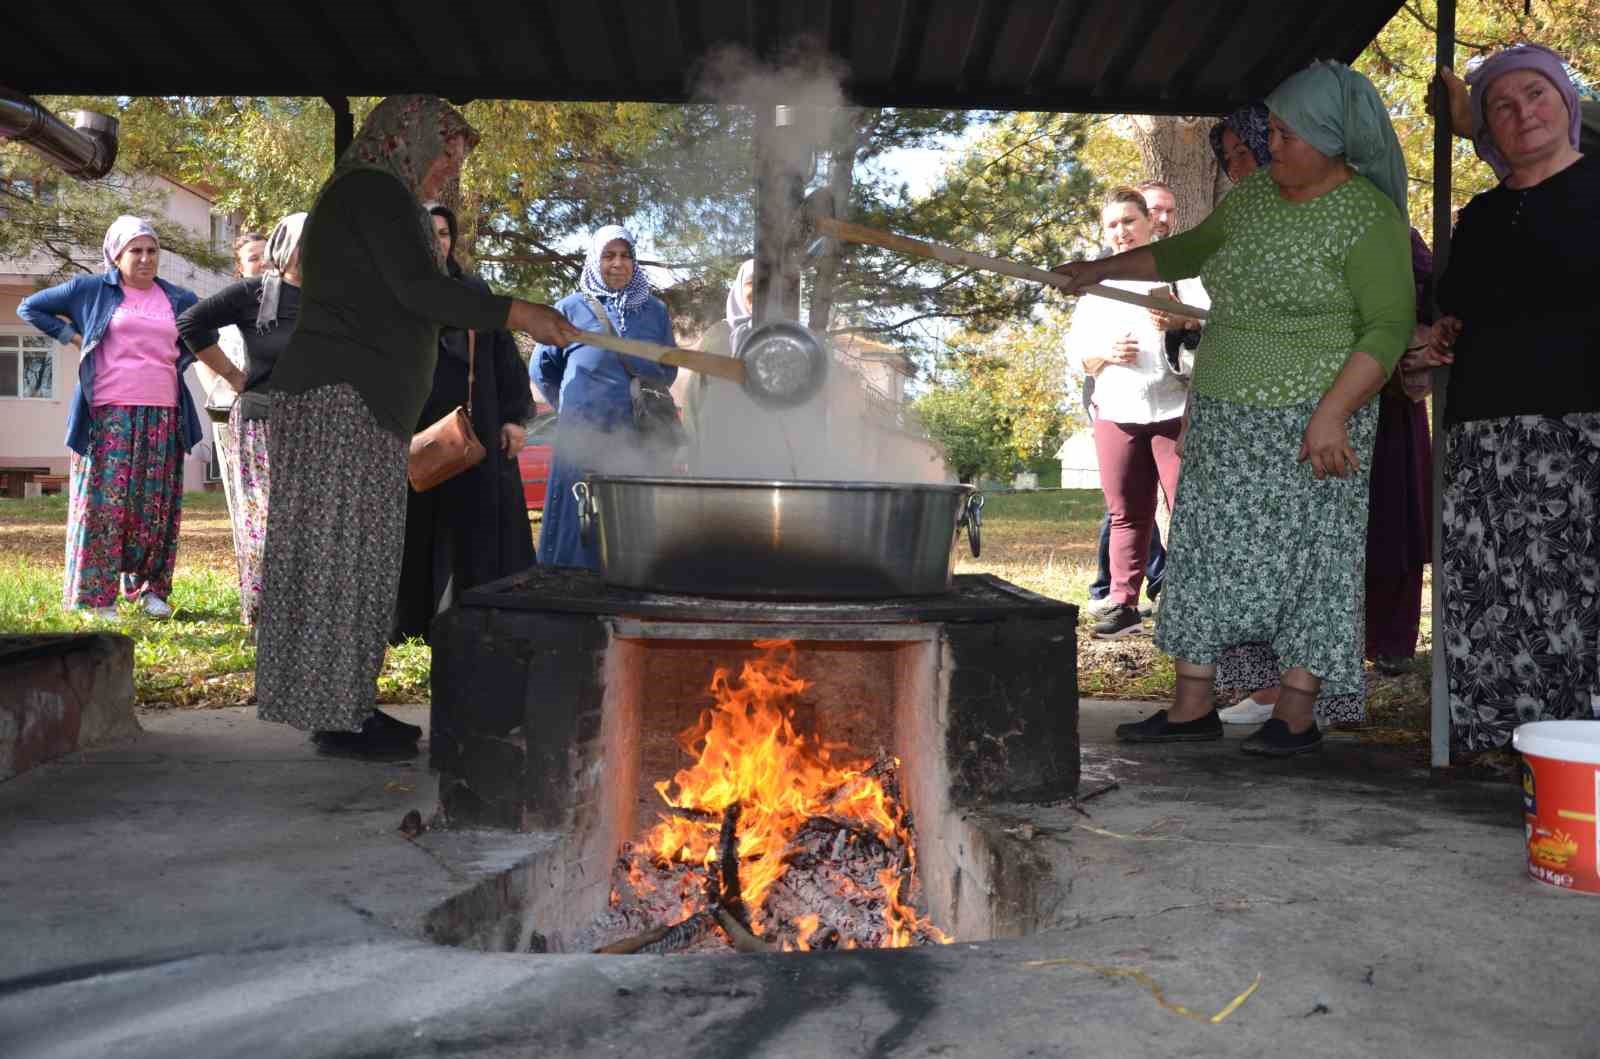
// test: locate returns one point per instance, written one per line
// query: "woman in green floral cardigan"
(1308, 264)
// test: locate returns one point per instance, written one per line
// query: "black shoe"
(396, 726)
(1157, 729)
(375, 742)
(1119, 622)
(1274, 739)
(1391, 666)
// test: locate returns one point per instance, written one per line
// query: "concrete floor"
(214, 889)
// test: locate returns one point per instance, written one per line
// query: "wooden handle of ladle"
(693, 359)
(860, 233)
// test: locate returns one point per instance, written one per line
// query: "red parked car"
(534, 459)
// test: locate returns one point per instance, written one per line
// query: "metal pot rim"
(779, 483)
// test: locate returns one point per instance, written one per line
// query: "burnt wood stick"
(728, 864)
(639, 941)
(705, 815)
(742, 939)
(682, 935)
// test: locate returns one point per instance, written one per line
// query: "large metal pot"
(776, 539)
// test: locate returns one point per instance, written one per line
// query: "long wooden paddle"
(693, 359)
(860, 233)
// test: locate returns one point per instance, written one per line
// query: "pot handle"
(580, 493)
(972, 519)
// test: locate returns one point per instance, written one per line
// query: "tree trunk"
(1178, 151)
(846, 142)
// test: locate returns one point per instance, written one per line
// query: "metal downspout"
(86, 149)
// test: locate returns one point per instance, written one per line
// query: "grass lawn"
(1043, 541)
(203, 656)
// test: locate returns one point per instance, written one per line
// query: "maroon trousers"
(1399, 526)
(1394, 614)
(1134, 459)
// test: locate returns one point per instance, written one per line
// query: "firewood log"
(742, 939)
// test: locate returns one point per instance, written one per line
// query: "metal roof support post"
(1443, 145)
(780, 186)
(344, 124)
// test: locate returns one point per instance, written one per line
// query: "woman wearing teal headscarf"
(1308, 263)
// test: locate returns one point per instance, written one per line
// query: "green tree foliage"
(44, 215)
(1015, 192)
(999, 399)
(1402, 60)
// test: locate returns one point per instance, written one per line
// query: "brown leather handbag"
(450, 445)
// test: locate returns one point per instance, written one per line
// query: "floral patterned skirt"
(1521, 568)
(332, 559)
(126, 505)
(247, 483)
(1263, 553)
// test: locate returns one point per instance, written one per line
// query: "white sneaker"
(98, 613)
(1099, 608)
(155, 606)
(1246, 711)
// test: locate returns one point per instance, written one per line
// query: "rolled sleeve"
(44, 309)
(199, 324)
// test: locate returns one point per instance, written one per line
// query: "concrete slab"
(214, 889)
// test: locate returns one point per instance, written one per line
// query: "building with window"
(37, 376)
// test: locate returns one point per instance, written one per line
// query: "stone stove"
(556, 700)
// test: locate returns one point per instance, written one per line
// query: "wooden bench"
(51, 483)
(14, 479)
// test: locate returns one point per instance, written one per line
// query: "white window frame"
(26, 338)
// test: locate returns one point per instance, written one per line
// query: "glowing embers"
(771, 839)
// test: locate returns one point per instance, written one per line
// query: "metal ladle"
(780, 364)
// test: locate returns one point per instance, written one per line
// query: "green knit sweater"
(1295, 288)
(372, 298)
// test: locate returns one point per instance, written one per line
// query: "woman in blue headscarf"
(1240, 141)
(1308, 264)
(589, 386)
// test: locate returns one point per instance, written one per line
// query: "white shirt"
(1146, 391)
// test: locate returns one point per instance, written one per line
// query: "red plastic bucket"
(1560, 793)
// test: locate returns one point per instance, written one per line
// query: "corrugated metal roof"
(1192, 56)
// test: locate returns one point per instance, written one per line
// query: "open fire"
(772, 840)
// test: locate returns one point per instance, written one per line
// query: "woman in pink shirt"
(131, 421)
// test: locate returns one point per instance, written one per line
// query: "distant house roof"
(860, 347)
(1188, 56)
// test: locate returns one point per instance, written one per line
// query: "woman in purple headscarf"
(131, 422)
(1521, 562)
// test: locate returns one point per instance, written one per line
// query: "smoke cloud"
(845, 433)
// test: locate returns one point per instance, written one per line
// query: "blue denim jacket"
(88, 302)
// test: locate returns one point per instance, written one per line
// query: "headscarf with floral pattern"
(402, 137)
(1252, 125)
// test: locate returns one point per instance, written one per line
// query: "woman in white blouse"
(1137, 405)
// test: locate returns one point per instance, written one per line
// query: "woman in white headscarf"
(589, 386)
(723, 338)
(131, 421)
(265, 310)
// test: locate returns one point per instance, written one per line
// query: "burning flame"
(747, 751)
